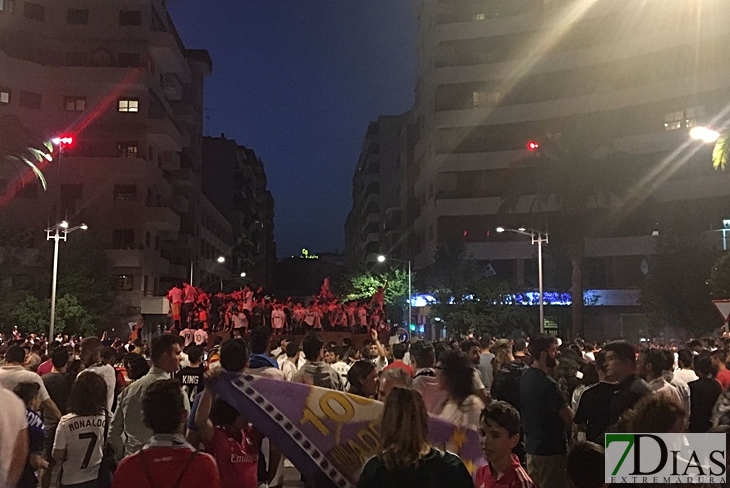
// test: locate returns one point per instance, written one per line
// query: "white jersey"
(188, 335)
(83, 440)
(109, 375)
(201, 337)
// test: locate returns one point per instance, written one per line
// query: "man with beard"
(545, 414)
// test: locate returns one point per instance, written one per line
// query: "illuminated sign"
(306, 255)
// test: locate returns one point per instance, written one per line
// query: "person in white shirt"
(290, 361)
(278, 319)
(81, 434)
(188, 334)
(340, 366)
(91, 357)
(685, 371)
(463, 407)
(12, 373)
(650, 366)
(378, 355)
(13, 437)
(201, 337)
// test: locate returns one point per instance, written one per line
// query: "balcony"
(148, 259)
(155, 306)
(162, 219)
(171, 85)
(170, 161)
(162, 131)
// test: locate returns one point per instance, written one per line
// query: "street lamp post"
(382, 259)
(220, 259)
(58, 232)
(538, 237)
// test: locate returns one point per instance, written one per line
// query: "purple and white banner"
(328, 435)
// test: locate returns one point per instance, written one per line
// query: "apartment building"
(373, 226)
(494, 74)
(116, 77)
(234, 179)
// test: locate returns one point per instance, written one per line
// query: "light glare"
(704, 134)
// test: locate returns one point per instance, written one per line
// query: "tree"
(33, 315)
(572, 170)
(676, 294)
(362, 286)
(467, 301)
(719, 281)
(19, 147)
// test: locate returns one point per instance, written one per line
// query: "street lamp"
(538, 237)
(243, 274)
(704, 134)
(58, 232)
(220, 259)
(382, 259)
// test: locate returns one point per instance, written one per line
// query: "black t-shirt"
(59, 389)
(594, 409)
(703, 393)
(627, 394)
(506, 384)
(192, 381)
(541, 402)
(436, 470)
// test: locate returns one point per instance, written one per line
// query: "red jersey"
(400, 364)
(723, 377)
(45, 368)
(237, 461)
(165, 466)
(514, 476)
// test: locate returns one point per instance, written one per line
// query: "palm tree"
(575, 170)
(19, 147)
(721, 153)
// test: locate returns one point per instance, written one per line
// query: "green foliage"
(470, 302)
(719, 281)
(675, 294)
(363, 286)
(33, 315)
(84, 273)
(721, 153)
(21, 148)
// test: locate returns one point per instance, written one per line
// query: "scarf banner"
(328, 435)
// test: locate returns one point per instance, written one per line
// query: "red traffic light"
(533, 145)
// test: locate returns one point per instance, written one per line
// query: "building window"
(4, 96)
(127, 193)
(157, 243)
(122, 238)
(127, 149)
(29, 190)
(7, 6)
(128, 60)
(683, 118)
(130, 17)
(34, 11)
(123, 282)
(128, 105)
(74, 104)
(479, 17)
(147, 239)
(77, 16)
(486, 99)
(30, 99)
(692, 114)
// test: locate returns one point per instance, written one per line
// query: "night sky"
(298, 81)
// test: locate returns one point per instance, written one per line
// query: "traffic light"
(533, 145)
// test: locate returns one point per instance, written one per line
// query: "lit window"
(74, 104)
(127, 149)
(692, 114)
(4, 96)
(673, 120)
(479, 17)
(126, 193)
(486, 99)
(123, 282)
(128, 105)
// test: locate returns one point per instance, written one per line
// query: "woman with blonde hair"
(406, 457)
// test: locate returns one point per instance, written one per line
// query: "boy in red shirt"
(232, 442)
(167, 460)
(500, 433)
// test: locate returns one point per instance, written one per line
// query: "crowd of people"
(246, 309)
(541, 407)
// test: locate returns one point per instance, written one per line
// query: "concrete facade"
(116, 77)
(234, 179)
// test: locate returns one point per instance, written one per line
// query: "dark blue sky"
(298, 81)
